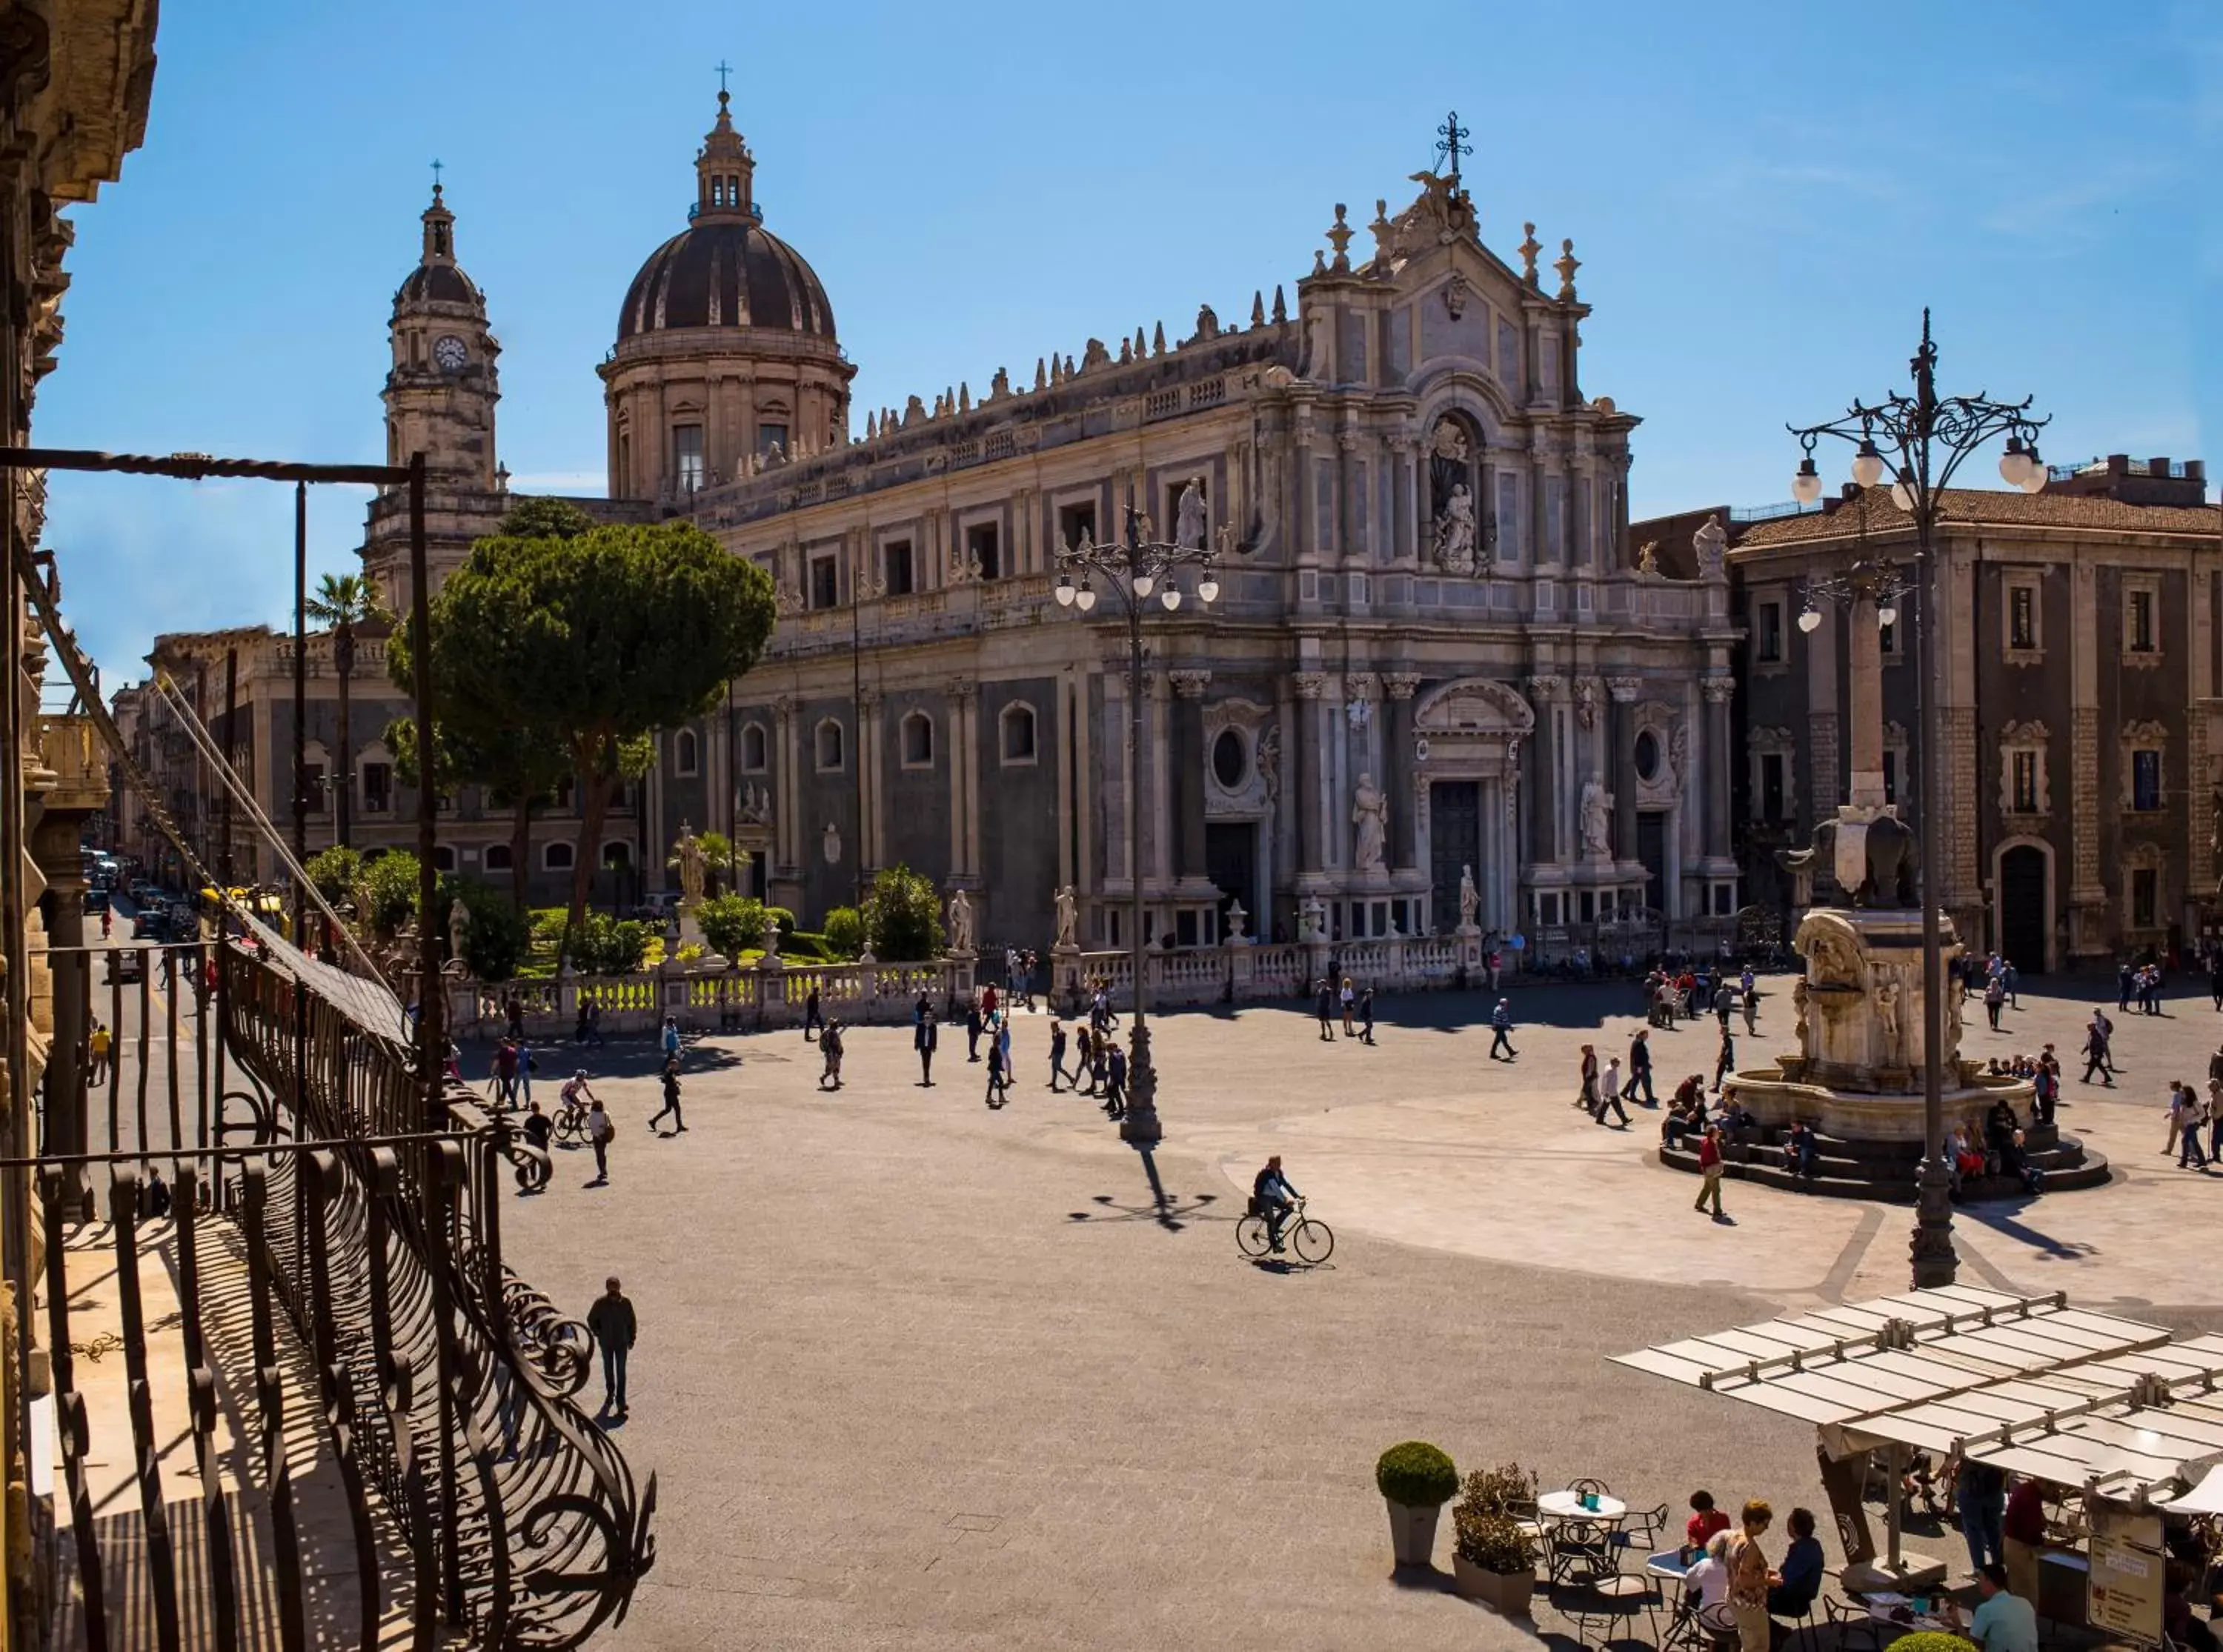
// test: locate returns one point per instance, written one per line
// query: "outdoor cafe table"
(1568, 1505)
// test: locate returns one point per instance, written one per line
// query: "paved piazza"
(915, 1374)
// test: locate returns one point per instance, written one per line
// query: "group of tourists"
(1356, 1006)
(1672, 996)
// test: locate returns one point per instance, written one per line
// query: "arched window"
(617, 852)
(497, 858)
(753, 745)
(556, 857)
(917, 741)
(829, 746)
(1017, 724)
(685, 756)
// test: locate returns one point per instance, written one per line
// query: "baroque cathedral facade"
(1432, 648)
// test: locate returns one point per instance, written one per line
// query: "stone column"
(1400, 782)
(2087, 893)
(1189, 760)
(1714, 764)
(1158, 818)
(1404, 529)
(786, 776)
(1545, 692)
(869, 782)
(1305, 770)
(1622, 753)
(964, 786)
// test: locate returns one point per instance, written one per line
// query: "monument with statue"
(1857, 1076)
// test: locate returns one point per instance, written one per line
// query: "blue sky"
(1763, 198)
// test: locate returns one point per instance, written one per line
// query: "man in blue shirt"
(2003, 1622)
(1500, 1026)
(1792, 1593)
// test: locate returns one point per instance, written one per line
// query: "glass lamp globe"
(2014, 463)
(1868, 465)
(1901, 494)
(1208, 588)
(1887, 615)
(2033, 481)
(1145, 585)
(1064, 592)
(1810, 622)
(1170, 596)
(1807, 485)
(1085, 600)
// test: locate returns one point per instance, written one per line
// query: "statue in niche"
(1597, 817)
(1887, 1000)
(1369, 813)
(1450, 498)
(1188, 515)
(1470, 898)
(1269, 761)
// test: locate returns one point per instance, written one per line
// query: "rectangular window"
(2142, 622)
(825, 582)
(1767, 633)
(1771, 786)
(2025, 788)
(2145, 896)
(1509, 519)
(1891, 774)
(1555, 519)
(2022, 616)
(1076, 523)
(896, 566)
(769, 434)
(983, 552)
(687, 457)
(2145, 779)
(377, 788)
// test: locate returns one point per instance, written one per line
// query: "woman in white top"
(1708, 1576)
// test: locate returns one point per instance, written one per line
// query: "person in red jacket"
(1710, 1167)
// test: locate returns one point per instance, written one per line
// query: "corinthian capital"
(1624, 690)
(1717, 690)
(1547, 688)
(1401, 684)
(1189, 685)
(1361, 684)
(1309, 683)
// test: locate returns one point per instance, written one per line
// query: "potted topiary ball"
(1932, 1640)
(1416, 1480)
(1493, 1560)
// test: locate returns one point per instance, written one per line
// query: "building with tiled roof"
(2081, 658)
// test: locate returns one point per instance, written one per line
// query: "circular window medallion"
(1648, 756)
(1231, 764)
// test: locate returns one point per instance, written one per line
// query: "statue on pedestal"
(1188, 515)
(1369, 813)
(960, 922)
(459, 924)
(1068, 917)
(688, 852)
(1597, 817)
(1886, 1002)
(1470, 898)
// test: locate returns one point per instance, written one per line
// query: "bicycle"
(571, 1123)
(1314, 1241)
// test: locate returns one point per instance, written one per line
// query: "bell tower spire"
(439, 226)
(724, 168)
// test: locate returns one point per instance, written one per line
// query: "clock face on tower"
(450, 352)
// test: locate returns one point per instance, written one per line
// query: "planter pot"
(1412, 1533)
(1508, 1591)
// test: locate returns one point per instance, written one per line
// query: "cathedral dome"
(726, 271)
(437, 284)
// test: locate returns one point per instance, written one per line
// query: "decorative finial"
(1567, 266)
(1449, 146)
(964, 396)
(1041, 375)
(1126, 351)
(1338, 236)
(1142, 349)
(1158, 340)
(1529, 248)
(1383, 231)
(1281, 306)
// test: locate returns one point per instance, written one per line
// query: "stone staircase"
(1886, 1171)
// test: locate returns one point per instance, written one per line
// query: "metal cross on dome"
(1449, 144)
(724, 69)
(435, 174)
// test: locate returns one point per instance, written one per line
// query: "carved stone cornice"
(1402, 685)
(1308, 684)
(1189, 685)
(1624, 690)
(1719, 691)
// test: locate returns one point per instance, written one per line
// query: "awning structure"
(2070, 1397)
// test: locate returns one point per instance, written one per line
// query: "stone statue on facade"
(960, 922)
(1597, 817)
(1068, 917)
(1886, 1002)
(1450, 501)
(1470, 898)
(755, 805)
(1455, 532)
(693, 865)
(1370, 813)
(1799, 998)
(1711, 543)
(1311, 920)
(1270, 762)
(459, 924)
(1188, 515)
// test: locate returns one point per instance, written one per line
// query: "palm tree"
(343, 602)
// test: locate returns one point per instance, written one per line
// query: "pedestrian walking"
(813, 1020)
(1586, 1095)
(1610, 1083)
(972, 1025)
(1501, 1028)
(1709, 1168)
(1610, 1098)
(1099, 1070)
(613, 1327)
(998, 1088)
(924, 1036)
(1725, 1062)
(99, 1047)
(600, 1129)
(527, 1066)
(512, 1011)
(1115, 1079)
(2096, 1051)
(1751, 1010)
(1349, 1000)
(1324, 1008)
(671, 1038)
(1057, 1055)
(1496, 967)
(1640, 1069)
(1366, 1015)
(671, 1096)
(1995, 1000)
(829, 1047)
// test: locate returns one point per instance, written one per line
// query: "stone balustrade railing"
(1246, 971)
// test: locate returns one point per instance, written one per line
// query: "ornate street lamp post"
(1923, 439)
(1134, 569)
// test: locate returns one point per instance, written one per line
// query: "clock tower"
(439, 396)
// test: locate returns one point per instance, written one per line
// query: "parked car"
(96, 899)
(149, 923)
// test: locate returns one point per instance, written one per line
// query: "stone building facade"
(1430, 613)
(2082, 656)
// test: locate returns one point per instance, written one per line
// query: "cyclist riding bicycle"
(575, 1096)
(1272, 1197)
